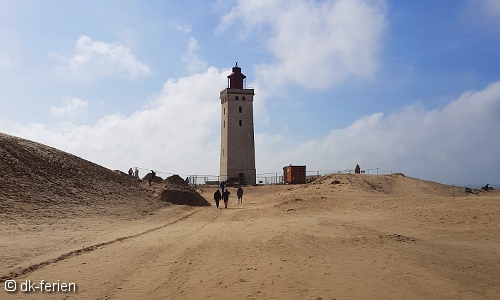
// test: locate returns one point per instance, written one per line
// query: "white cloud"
(194, 63)
(259, 103)
(220, 7)
(315, 44)
(5, 63)
(98, 59)
(491, 7)
(457, 143)
(185, 29)
(485, 13)
(178, 132)
(72, 107)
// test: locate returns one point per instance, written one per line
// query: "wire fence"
(261, 178)
(276, 178)
(269, 178)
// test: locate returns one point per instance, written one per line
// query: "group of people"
(225, 195)
(133, 173)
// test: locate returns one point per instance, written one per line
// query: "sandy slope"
(369, 237)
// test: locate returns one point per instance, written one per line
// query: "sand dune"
(340, 237)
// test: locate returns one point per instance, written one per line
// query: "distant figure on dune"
(187, 180)
(217, 197)
(152, 177)
(137, 173)
(357, 170)
(222, 184)
(225, 197)
(239, 193)
(486, 187)
(130, 172)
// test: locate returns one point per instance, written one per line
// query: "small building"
(294, 174)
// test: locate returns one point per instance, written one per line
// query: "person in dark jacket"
(222, 184)
(217, 197)
(225, 197)
(239, 193)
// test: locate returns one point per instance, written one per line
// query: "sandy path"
(277, 247)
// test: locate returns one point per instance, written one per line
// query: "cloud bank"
(457, 143)
(180, 133)
(317, 45)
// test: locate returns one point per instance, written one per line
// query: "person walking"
(152, 177)
(239, 193)
(225, 197)
(217, 197)
(222, 184)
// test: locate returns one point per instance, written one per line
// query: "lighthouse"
(237, 153)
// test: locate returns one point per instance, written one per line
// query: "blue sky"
(408, 86)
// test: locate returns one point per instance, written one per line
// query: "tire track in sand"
(74, 253)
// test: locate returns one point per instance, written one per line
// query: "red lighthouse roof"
(235, 79)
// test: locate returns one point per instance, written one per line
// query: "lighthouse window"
(224, 124)
(224, 110)
(243, 98)
(240, 109)
(240, 122)
(236, 98)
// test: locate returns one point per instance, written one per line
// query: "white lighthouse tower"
(237, 153)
